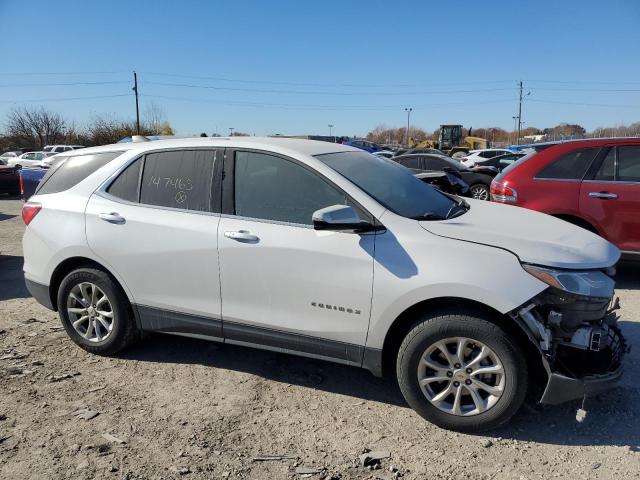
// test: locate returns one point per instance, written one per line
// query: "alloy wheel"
(90, 312)
(480, 192)
(461, 376)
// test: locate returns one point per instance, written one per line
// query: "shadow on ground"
(11, 278)
(611, 420)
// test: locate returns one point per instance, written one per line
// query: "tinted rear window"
(126, 185)
(570, 166)
(67, 172)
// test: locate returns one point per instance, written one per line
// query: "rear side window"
(570, 166)
(126, 185)
(629, 164)
(178, 179)
(410, 162)
(607, 170)
(69, 171)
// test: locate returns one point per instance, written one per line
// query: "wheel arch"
(405, 321)
(73, 263)
(578, 221)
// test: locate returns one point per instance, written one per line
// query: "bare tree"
(154, 118)
(36, 126)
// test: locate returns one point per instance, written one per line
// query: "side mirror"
(339, 218)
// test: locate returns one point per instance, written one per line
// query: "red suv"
(592, 183)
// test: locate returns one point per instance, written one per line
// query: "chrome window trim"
(115, 199)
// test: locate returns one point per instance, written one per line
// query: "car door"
(286, 286)
(155, 225)
(610, 196)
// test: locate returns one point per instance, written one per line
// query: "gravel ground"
(180, 408)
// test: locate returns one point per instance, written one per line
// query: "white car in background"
(385, 153)
(29, 159)
(330, 252)
(61, 148)
(475, 156)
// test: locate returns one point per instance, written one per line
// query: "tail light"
(29, 211)
(501, 192)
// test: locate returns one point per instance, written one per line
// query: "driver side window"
(273, 188)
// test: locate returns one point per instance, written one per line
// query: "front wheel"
(462, 372)
(479, 191)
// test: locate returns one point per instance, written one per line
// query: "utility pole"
(135, 89)
(408, 110)
(330, 129)
(231, 131)
(519, 115)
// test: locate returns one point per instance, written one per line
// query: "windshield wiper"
(458, 208)
(428, 216)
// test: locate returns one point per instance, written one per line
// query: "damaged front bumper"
(561, 388)
(577, 335)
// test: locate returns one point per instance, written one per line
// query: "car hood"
(532, 236)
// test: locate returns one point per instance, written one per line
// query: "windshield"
(393, 186)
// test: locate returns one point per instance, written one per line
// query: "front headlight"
(591, 283)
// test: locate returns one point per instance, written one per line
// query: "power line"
(300, 84)
(66, 84)
(316, 106)
(37, 100)
(16, 74)
(580, 104)
(304, 92)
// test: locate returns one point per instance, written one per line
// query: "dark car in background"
(9, 180)
(362, 144)
(478, 179)
(448, 182)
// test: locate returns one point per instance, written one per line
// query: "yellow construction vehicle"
(450, 141)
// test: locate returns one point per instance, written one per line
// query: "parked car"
(30, 178)
(499, 162)
(385, 153)
(475, 156)
(594, 184)
(5, 157)
(9, 180)
(365, 145)
(449, 182)
(28, 159)
(326, 251)
(61, 148)
(430, 151)
(479, 180)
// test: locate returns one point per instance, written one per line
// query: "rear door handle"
(603, 195)
(112, 217)
(242, 236)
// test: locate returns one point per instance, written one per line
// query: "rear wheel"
(462, 372)
(480, 191)
(95, 312)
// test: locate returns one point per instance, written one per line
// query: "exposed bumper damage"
(577, 335)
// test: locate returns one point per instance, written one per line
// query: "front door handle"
(603, 195)
(112, 217)
(242, 236)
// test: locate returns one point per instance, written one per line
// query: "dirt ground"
(180, 408)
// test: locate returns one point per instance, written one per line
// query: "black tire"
(480, 186)
(124, 331)
(447, 324)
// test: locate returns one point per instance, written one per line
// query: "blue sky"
(294, 67)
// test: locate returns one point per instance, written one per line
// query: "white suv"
(325, 251)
